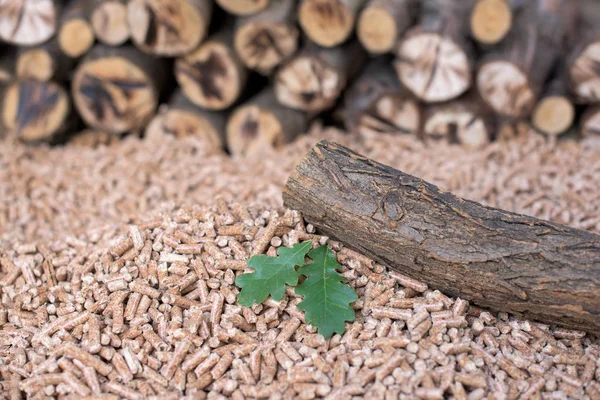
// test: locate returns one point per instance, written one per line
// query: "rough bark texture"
(75, 33)
(328, 22)
(376, 103)
(494, 258)
(109, 21)
(382, 22)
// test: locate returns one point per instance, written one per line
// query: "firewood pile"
(245, 74)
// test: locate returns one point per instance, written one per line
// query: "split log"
(376, 103)
(435, 57)
(491, 20)
(328, 23)
(511, 77)
(313, 80)
(382, 22)
(590, 122)
(28, 22)
(555, 112)
(265, 40)
(212, 76)
(115, 89)
(465, 121)
(34, 111)
(109, 21)
(168, 27)
(75, 32)
(263, 123)
(243, 7)
(182, 118)
(493, 258)
(43, 63)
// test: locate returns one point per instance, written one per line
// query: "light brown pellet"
(392, 313)
(154, 339)
(122, 391)
(288, 328)
(86, 358)
(388, 366)
(408, 282)
(141, 288)
(268, 366)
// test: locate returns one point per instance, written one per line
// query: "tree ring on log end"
(35, 64)
(309, 84)
(113, 94)
(326, 22)
(34, 110)
(252, 128)
(391, 114)
(181, 123)
(505, 88)
(243, 7)
(166, 27)
(209, 76)
(27, 22)
(76, 37)
(490, 21)
(457, 126)
(584, 73)
(377, 30)
(264, 45)
(433, 67)
(553, 115)
(109, 21)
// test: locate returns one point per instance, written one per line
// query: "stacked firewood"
(246, 74)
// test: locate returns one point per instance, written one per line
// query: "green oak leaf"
(326, 299)
(271, 274)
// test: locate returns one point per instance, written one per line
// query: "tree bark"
(493, 258)
(168, 27)
(34, 111)
(265, 40)
(116, 89)
(491, 20)
(75, 32)
(435, 57)
(376, 103)
(328, 23)
(243, 7)
(511, 77)
(555, 112)
(212, 76)
(43, 63)
(182, 118)
(109, 21)
(28, 22)
(465, 121)
(314, 79)
(382, 22)
(262, 123)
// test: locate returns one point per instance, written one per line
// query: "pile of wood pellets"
(117, 269)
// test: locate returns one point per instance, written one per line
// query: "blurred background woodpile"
(246, 74)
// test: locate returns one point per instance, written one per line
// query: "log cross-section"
(27, 22)
(494, 258)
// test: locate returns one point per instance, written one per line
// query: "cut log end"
(326, 22)
(392, 115)
(377, 31)
(433, 67)
(490, 21)
(27, 22)
(252, 129)
(34, 111)
(553, 115)
(458, 127)
(167, 28)
(76, 37)
(506, 89)
(210, 76)
(35, 64)
(109, 21)
(306, 83)
(584, 73)
(243, 7)
(181, 123)
(113, 94)
(263, 46)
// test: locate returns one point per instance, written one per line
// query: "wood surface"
(109, 21)
(382, 22)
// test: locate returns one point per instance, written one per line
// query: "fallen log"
(376, 103)
(328, 23)
(109, 21)
(75, 32)
(493, 258)
(28, 22)
(168, 27)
